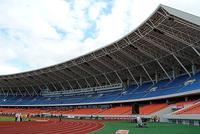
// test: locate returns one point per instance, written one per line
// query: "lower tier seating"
(123, 110)
(152, 108)
(89, 111)
(194, 109)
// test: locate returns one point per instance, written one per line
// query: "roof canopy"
(168, 40)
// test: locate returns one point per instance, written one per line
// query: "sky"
(39, 33)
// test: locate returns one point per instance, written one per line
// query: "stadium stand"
(123, 110)
(152, 108)
(147, 90)
(157, 63)
(183, 103)
(89, 111)
(194, 109)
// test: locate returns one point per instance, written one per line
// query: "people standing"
(16, 115)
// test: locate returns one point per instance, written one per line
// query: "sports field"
(90, 126)
(154, 128)
(7, 118)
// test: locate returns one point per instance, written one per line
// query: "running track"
(51, 127)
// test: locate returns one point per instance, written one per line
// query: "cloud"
(39, 33)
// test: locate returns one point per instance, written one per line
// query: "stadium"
(152, 73)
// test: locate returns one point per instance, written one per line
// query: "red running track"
(51, 127)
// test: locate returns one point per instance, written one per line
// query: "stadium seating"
(124, 110)
(89, 111)
(182, 103)
(180, 84)
(194, 109)
(117, 110)
(152, 108)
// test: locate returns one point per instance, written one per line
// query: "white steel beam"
(163, 69)
(27, 91)
(34, 90)
(2, 91)
(132, 76)
(62, 86)
(182, 65)
(78, 84)
(20, 91)
(11, 91)
(97, 81)
(119, 77)
(147, 73)
(70, 85)
(54, 86)
(107, 78)
(87, 82)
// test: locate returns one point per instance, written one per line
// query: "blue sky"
(39, 33)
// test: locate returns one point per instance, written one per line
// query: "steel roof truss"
(27, 91)
(163, 69)
(87, 82)
(132, 76)
(62, 86)
(34, 90)
(147, 73)
(182, 65)
(78, 84)
(70, 85)
(3, 91)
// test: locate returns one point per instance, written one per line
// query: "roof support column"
(193, 69)
(156, 76)
(182, 65)
(7, 92)
(163, 69)
(140, 80)
(40, 89)
(173, 73)
(132, 76)
(147, 73)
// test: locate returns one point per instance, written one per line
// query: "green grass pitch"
(154, 128)
(7, 118)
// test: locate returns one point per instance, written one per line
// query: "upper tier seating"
(181, 84)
